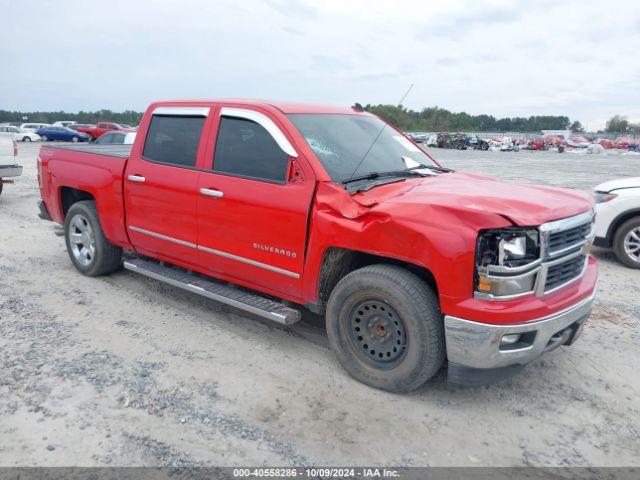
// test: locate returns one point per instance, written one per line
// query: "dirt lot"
(123, 370)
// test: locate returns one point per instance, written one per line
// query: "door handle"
(208, 192)
(136, 178)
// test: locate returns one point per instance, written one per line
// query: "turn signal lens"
(603, 197)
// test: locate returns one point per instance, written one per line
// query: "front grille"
(564, 239)
(564, 272)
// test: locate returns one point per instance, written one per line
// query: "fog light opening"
(510, 339)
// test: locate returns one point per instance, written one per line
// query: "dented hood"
(523, 205)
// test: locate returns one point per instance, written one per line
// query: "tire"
(460, 146)
(1, 186)
(75, 139)
(626, 243)
(485, 146)
(82, 231)
(26, 139)
(399, 314)
(516, 149)
(44, 138)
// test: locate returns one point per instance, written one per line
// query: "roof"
(283, 106)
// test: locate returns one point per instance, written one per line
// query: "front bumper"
(475, 348)
(10, 171)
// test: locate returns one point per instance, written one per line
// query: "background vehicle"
(452, 140)
(76, 126)
(32, 127)
(63, 123)
(331, 209)
(20, 135)
(126, 138)
(9, 167)
(536, 144)
(477, 143)
(618, 219)
(509, 145)
(103, 127)
(62, 133)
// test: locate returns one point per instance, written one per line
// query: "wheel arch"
(338, 262)
(618, 221)
(69, 195)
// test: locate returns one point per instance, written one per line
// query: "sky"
(500, 57)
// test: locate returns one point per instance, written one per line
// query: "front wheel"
(75, 139)
(26, 139)
(44, 138)
(89, 250)
(384, 325)
(626, 243)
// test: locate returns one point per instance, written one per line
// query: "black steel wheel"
(378, 333)
(385, 326)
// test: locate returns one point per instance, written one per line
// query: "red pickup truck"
(103, 127)
(271, 207)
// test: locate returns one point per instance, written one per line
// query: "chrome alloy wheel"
(82, 240)
(632, 244)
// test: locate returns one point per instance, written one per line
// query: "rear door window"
(245, 149)
(173, 139)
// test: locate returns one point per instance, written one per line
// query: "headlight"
(602, 197)
(507, 262)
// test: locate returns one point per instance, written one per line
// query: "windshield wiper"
(431, 167)
(396, 173)
(374, 175)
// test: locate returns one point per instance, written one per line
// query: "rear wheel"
(385, 326)
(89, 250)
(44, 138)
(626, 243)
(75, 139)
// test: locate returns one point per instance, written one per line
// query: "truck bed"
(114, 150)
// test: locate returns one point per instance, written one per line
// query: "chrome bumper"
(478, 345)
(10, 171)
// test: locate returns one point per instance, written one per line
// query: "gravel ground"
(123, 370)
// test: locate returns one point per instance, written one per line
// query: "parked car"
(32, 127)
(536, 144)
(618, 218)
(76, 126)
(101, 128)
(63, 123)
(9, 168)
(62, 133)
(19, 134)
(126, 138)
(409, 261)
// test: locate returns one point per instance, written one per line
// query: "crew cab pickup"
(103, 127)
(272, 207)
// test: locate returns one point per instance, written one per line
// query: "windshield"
(341, 142)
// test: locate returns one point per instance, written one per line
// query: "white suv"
(618, 219)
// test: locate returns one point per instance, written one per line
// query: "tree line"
(436, 119)
(430, 119)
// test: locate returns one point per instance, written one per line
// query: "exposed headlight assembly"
(507, 263)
